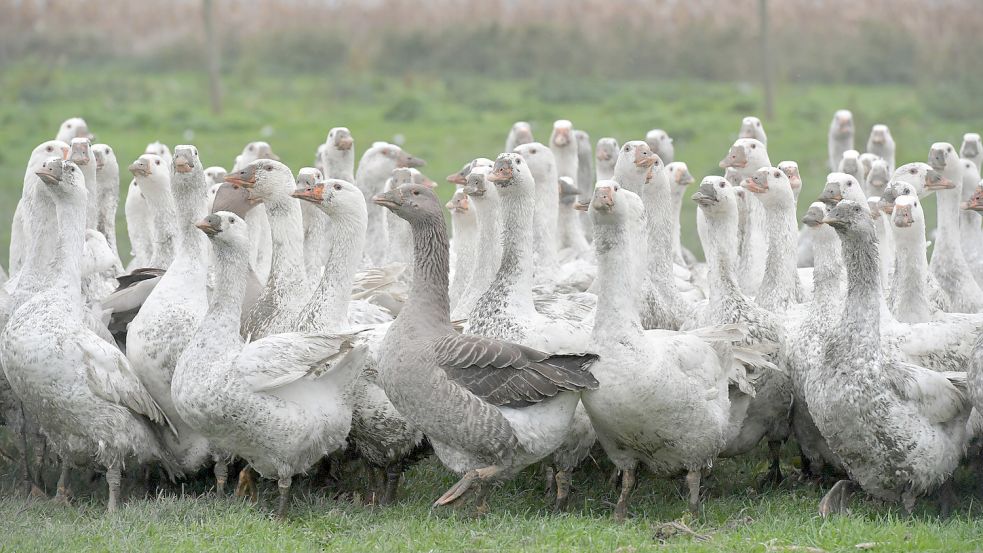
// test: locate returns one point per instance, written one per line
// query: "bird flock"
(279, 323)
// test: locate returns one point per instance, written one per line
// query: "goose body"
(840, 139)
(881, 144)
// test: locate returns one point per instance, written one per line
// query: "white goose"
(153, 179)
(548, 234)
(483, 196)
(746, 156)
(881, 144)
(464, 243)
(751, 127)
(840, 137)
(606, 153)
(374, 169)
(519, 134)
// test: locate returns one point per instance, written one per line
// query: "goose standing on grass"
(548, 237)
(564, 148)
(483, 196)
(662, 398)
(841, 133)
(32, 207)
(680, 177)
(660, 143)
(519, 134)
(107, 175)
(881, 144)
(769, 410)
(315, 225)
(585, 174)
(518, 402)
(168, 318)
(899, 429)
(464, 243)
(281, 402)
(288, 289)
(746, 156)
(751, 127)
(81, 389)
(153, 180)
(374, 169)
(607, 155)
(74, 127)
(948, 261)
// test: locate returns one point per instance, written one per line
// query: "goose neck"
(778, 286)
(428, 305)
(328, 307)
(617, 318)
(66, 266)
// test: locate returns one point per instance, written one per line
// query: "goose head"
(390, 156)
(45, 150)
(476, 184)
(562, 135)
(751, 128)
(458, 204)
(661, 143)
(842, 124)
(336, 197)
(975, 201)
(227, 232)
(521, 133)
(150, 173)
(814, 215)
(340, 139)
(878, 176)
(914, 174)
(82, 152)
(188, 173)
(851, 219)
(64, 180)
(850, 163)
(791, 170)
(537, 155)
(942, 155)
(936, 180)
(746, 153)
(636, 160)
(74, 127)
(415, 203)
(161, 150)
(867, 160)
(839, 187)
(879, 135)
(972, 146)
(265, 179)
(403, 175)
(308, 176)
(511, 174)
(908, 216)
(610, 203)
(771, 186)
(715, 196)
(679, 176)
(461, 177)
(568, 193)
(259, 150)
(606, 151)
(215, 175)
(104, 154)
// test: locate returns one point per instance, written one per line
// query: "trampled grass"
(447, 121)
(736, 518)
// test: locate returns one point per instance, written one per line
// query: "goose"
(315, 225)
(680, 177)
(280, 402)
(746, 156)
(867, 160)
(662, 397)
(564, 147)
(168, 318)
(464, 243)
(751, 127)
(483, 196)
(972, 149)
(660, 143)
(214, 178)
(948, 261)
(519, 134)
(780, 289)
(548, 235)
(152, 178)
(877, 178)
(82, 390)
(840, 137)
(74, 127)
(95, 286)
(400, 248)
(253, 151)
(83, 157)
(288, 289)
(850, 164)
(639, 170)
(139, 221)
(805, 343)
(881, 144)
(913, 430)
(769, 410)
(339, 155)
(791, 170)
(107, 175)
(257, 218)
(607, 154)
(375, 167)
(22, 231)
(970, 232)
(585, 174)
(160, 149)
(518, 402)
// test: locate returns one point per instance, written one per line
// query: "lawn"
(736, 518)
(447, 121)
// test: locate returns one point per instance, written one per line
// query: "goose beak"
(140, 168)
(754, 185)
(902, 216)
(934, 180)
(502, 172)
(561, 137)
(457, 178)
(813, 218)
(344, 143)
(206, 226)
(313, 194)
(736, 158)
(80, 154)
(49, 174)
(644, 159)
(582, 206)
(245, 178)
(603, 155)
(603, 198)
(829, 197)
(974, 203)
(391, 200)
(182, 164)
(406, 160)
(459, 203)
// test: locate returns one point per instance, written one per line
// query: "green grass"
(447, 121)
(736, 518)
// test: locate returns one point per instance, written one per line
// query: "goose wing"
(935, 395)
(281, 359)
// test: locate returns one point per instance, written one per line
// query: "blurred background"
(447, 78)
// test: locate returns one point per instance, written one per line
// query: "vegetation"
(447, 121)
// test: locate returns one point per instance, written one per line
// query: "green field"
(446, 121)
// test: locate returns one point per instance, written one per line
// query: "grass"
(736, 518)
(447, 120)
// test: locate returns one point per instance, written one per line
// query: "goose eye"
(68, 126)
(416, 192)
(337, 187)
(269, 167)
(757, 124)
(232, 221)
(627, 148)
(157, 162)
(916, 204)
(532, 151)
(777, 174)
(948, 150)
(251, 148)
(849, 184)
(753, 146)
(49, 148)
(721, 185)
(518, 162)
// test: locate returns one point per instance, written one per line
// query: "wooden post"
(212, 56)
(766, 60)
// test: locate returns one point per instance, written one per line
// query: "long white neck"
(546, 219)
(33, 275)
(909, 293)
(511, 291)
(108, 179)
(287, 231)
(464, 252)
(658, 228)
(617, 318)
(92, 188)
(190, 207)
(328, 308)
(66, 266)
(677, 246)
(219, 328)
(827, 275)
(341, 165)
(948, 211)
(721, 250)
(778, 288)
(490, 245)
(164, 230)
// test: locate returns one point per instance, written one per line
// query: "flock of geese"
(281, 321)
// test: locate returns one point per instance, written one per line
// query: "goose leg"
(221, 476)
(627, 483)
(61, 493)
(836, 499)
(693, 483)
(247, 485)
(563, 482)
(393, 475)
(458, 490)
(774, 474)
(113, 478)
(284, 485)
(550, 474)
